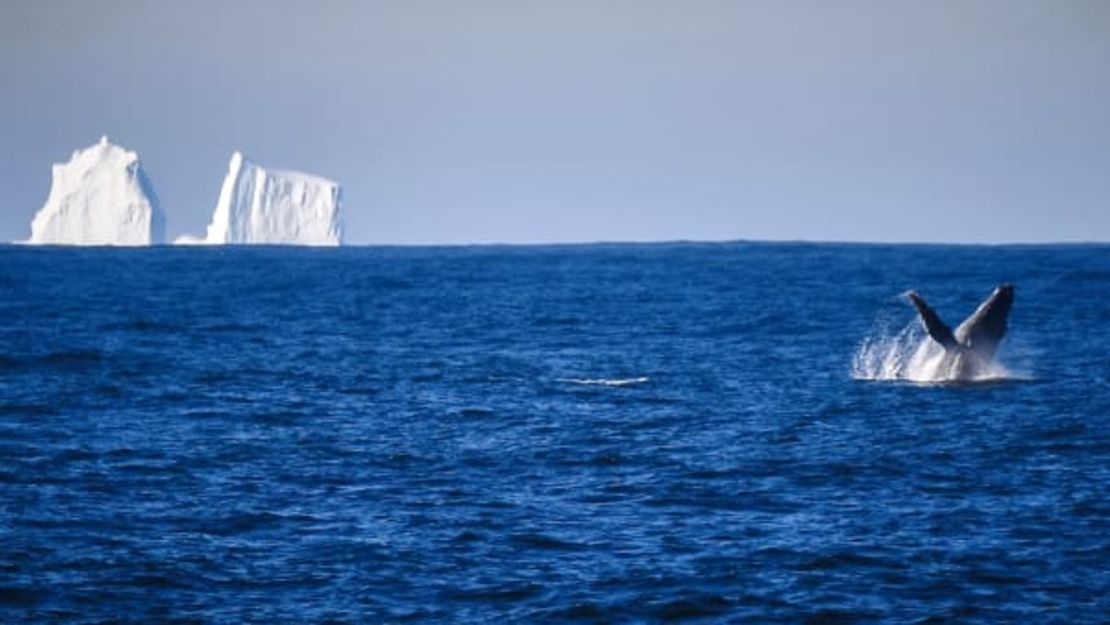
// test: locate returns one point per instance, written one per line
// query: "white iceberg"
(101, 196)
(259, 205)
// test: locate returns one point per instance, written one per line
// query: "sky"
(521, 121)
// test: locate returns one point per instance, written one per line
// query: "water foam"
(605, 381)
(910, 355)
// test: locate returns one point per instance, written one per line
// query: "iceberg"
(101, 196)
(259, 205)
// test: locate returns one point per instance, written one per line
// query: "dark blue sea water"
(545, 434)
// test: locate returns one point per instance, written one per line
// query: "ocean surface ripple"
(607, 433)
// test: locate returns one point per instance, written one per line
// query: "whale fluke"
(980, 333)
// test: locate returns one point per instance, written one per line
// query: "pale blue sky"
(522, 121)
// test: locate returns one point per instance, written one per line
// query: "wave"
(63, 360)
(606, 381)
(910, 356)
(142, 325)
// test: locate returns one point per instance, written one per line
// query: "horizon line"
(599, 243)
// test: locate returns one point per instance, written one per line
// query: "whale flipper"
(940, 332)
(980, 333)
(984, 329)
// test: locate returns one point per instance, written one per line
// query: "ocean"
(596, 434)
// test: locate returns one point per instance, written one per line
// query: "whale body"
(970, 349)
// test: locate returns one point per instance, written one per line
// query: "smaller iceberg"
(101, 196)
(264, 206)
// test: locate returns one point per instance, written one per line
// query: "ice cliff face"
(258, 205)
(101, 196)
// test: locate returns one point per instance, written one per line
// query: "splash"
(910, 355)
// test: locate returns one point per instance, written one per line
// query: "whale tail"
(980, 333)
